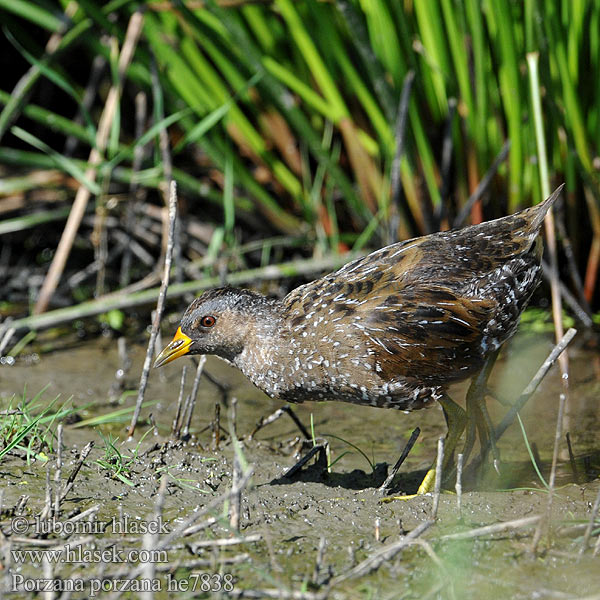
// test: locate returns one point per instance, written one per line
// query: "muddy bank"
(321, 533)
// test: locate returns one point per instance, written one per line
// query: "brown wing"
(431, 334)
(453, 258)
(429, 309)
(360, 280)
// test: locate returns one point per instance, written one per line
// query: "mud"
(302, 537)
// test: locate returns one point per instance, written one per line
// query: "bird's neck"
(265, 348)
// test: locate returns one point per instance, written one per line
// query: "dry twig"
(545, 522)
(373, 562)
(492, 529)
(590, 525)
(264, 421)
(187, 418)
(159, 308)
(511, 415)
(63, 250)
(438, 478)
(71, 479)
(458, 487)
(383, 489)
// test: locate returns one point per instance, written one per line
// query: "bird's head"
(218, 322)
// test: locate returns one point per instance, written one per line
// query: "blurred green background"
(286, 128)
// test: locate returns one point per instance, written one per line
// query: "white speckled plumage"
(391, 329)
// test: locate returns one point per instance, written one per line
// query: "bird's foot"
(428, 483)
(426, 487)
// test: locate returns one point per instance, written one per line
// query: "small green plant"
(530, 452)
(330, 463)
(359, 450)
(185, 483)
(117, 416)
(22, 429)
(115, 461)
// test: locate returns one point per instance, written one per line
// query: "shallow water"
(87, 372)
(292, 516)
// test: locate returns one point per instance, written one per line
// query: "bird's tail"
(539, 211)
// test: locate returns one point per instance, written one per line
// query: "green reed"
(270, 81)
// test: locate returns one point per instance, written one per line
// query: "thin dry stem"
(511, 415)
(223, 542)
(192, 402)
(438, 478)
(395, 183)
(176, 420)
(58, 472)
(544, 524)
(71, 479)
(482, 187)
(492, 529)
(7, 332)
(138, 153)
(264, 421)
(134, 29)
(378, 558)
(383, 489)
(319, 566)
(458, 487)
(590, 525)
(160, 305)
(236, 501)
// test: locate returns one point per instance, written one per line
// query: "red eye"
(207, 321)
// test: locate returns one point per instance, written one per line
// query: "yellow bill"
(179, 345)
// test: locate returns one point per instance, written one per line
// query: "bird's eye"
(207, 321)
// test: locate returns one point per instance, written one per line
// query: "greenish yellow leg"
(427, 484)
(471, 433)
(456, 419)
(475, 419)
(478, 418)
(490, 436)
